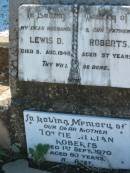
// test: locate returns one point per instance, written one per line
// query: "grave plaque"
(93, 141)
(87, 45)
(104, 45)
(45, 40)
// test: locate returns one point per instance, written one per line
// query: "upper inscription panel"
(104, 45)
(87, 45)
(45, 40)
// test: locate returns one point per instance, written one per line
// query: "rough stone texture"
(3, 58)
(104, 101)
(4, 136)
(4, 65)
(20, 166)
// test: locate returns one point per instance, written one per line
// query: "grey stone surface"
(4, 136)
(20, 166)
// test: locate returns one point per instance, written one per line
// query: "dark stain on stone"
(74, 75)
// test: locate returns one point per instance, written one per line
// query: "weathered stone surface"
(4, 66)
(20, 166)
(4, 136)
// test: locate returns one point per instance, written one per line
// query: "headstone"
(75, 44)
(36, 87)
(91, 141)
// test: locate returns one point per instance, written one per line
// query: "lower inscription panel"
(93, 141)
